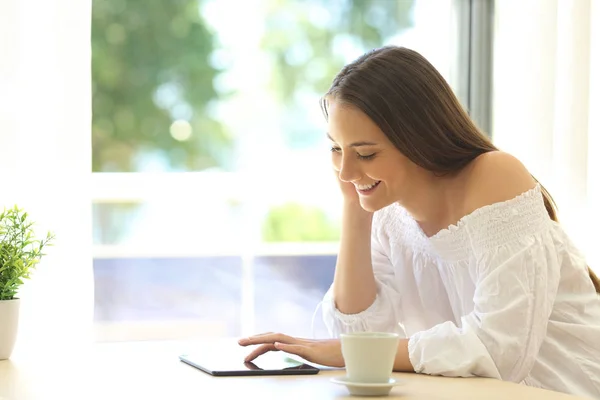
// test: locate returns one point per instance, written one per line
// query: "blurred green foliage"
(293, 222)
(308, 40)
(305, 38)
(150, 66)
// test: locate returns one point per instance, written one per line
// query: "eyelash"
(359, 156)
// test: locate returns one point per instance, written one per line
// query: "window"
(215, 212)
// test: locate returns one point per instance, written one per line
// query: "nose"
(349, 171)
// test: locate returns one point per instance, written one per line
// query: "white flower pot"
(9, 322)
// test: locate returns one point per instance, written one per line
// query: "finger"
(263, 334)
(265, 348)
(297, 349)
(251, 365)
(268, 338)
(244, 341)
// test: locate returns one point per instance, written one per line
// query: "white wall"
(45, 158)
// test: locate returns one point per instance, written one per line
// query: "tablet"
(222, 364)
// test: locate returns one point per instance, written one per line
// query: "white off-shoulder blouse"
(503, 294)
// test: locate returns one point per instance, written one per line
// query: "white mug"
(369, 356)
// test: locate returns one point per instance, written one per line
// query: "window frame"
(474, 38)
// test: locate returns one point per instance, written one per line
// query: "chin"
(372, 206)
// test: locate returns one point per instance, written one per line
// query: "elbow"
(516, 369)
(378, 316)
(513, 360)
(353, 305)
(513, 352)
(357, 298)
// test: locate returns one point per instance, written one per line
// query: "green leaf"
(20, 251)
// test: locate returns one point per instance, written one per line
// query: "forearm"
(402, 361)
(354, 287)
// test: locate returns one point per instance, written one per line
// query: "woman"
(447, 241)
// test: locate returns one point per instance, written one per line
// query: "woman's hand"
(348, 190)
(350, 195)
(326, 352)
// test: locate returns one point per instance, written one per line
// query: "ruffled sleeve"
(516, 273)
(381, 316)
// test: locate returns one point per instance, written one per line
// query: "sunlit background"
(215, 208)
(181, 158)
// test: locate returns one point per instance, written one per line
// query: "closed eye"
(358, 155)
(366, 157)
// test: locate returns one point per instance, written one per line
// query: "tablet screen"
(268, 364)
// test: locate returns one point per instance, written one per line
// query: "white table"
(152, 370)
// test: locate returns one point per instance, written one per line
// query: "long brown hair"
(417, 110)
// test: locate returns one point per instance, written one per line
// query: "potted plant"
(20, 252)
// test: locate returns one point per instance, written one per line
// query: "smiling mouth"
(365, 189)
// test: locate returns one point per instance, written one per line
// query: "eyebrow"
(355, 144)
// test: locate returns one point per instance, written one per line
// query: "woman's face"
(364, 157)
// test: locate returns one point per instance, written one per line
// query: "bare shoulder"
(495, 177)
